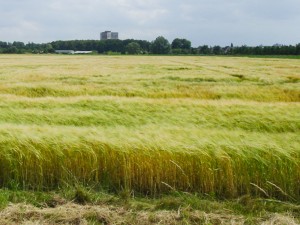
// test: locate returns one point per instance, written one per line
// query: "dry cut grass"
(71, 213)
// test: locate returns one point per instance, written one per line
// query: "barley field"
(221, 126)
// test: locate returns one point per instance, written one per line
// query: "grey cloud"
(210, 22)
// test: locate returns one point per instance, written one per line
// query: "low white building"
(64, 51)
(83, 52)
(72, 52)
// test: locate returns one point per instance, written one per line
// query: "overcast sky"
(212, 22)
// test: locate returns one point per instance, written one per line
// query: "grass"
(275, 56)
(219, 126)
(102, 208)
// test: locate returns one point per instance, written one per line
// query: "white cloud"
(145, 16)
(19, 31)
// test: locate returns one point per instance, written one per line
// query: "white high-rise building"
(107, 35)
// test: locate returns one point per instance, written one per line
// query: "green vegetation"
(224, 128)
(159, 46)
(133, 48)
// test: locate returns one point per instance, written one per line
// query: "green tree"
(217, 50)
(48, 48)
(11, 49)
(204, 50)
(181, 44)
(133, 48)
(3, 44)
(160, 46)
(298, 49)
(18, 44)
(113, 45)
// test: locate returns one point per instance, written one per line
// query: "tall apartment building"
(106, 35)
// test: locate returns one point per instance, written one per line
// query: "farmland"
(218, 126)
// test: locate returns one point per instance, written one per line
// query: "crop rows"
(219, 126)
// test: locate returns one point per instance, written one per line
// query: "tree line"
(159, 46)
